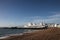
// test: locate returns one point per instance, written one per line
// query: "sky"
(19, 12)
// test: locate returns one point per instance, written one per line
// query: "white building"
(29, 24)
(58, 26)
(39, 25)
(33, 25)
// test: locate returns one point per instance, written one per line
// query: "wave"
(9, 35)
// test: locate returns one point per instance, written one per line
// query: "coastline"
(46, 34)
(9, 35)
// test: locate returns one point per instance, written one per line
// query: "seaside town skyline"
(20, 12)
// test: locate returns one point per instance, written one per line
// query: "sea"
(5, 32)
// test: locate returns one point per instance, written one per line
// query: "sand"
(45, 34)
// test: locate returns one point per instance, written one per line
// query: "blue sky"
(18, 12)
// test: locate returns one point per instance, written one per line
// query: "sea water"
(5, 32)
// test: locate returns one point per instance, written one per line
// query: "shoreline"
(9, 35)
(46, 34)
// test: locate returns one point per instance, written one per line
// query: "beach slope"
(45, 34)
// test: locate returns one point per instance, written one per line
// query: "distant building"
(34, 25)
(39, 25)
(29, 24)
(53, 25)
(58, 26)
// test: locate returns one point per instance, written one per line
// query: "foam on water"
(8, 35)
(4, 37)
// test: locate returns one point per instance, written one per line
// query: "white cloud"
(55, 16)
(50, 19)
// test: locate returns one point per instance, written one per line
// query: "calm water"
(4, 32)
